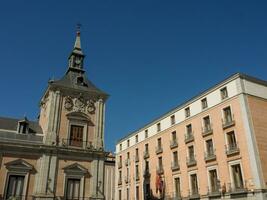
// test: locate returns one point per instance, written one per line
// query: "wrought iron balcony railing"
(159, 149)
(232, 149)
(189, 137)
(146, 154)
(160, 170)
(207, 130)
(146, 173)
(191, 161)
(127, 162)
(136, 158)
(173, 143)
(175, 166)
(119, 164)
(228, 121)
(210, 155)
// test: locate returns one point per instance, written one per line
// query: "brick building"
(213, 146)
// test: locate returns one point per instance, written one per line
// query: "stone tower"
(72, 119)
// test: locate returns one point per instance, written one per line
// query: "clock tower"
(72, 119)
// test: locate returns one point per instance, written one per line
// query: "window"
(194, 184)
(146, 147)
(158, 127)
(237, 176)
(128, 143)
(120, 147)
(207, 124)
(175, 158)
(177, 187)
(136, 170)
(172, 119)
(146, 133)
(120, 178)
(189, 129)
(160, 163)
(76, 136)
(159, 143)
(214, 182)
(15, 186)
(227, 115)
(224, 93)
(120, 195)
(23, 126)
(136, 154)
(174, 138)
(137, 192)
(187, 112)
(231, 139)
(191, 152)
(209, 147)
(128, 155)
(204, 103)
(127, 194)
(136, 138)
(73, 188)
(147, 165)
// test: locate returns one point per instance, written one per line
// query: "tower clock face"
(77, 61)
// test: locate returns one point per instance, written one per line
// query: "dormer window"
(80, 80)
(23, 127)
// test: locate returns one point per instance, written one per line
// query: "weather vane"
(78, 27)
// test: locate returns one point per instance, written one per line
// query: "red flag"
(158, 183)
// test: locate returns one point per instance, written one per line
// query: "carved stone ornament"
(79, 105)
(68, 103)
(90, 107)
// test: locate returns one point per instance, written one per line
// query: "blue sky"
(148, 55)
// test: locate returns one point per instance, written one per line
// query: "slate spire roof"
(75, 77)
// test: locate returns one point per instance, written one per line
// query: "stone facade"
(62, 155)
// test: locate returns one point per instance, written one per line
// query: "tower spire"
(77, 44)
(76, 57)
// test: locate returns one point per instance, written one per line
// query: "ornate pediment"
(19, 165)
(75, 169)
(79, 104)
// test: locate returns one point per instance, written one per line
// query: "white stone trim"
(230, 164)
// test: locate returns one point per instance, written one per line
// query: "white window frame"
(173, 183)
(230, 164)
(208, 176)
(190, 184)
(85, 130)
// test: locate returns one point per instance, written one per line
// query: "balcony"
(237, 191)
(175, 166)
(232, 149)
(176, 197)
(72, 143)
(126, 179)
(194, 194)
(137, 177)
(189, 137)
(191, 161)
(146, 154)
(119, 164)
(173, 143)
(127, 162)
(146, 173)
(228, 121)
(160, 170)
(210, 155)
(119, 181)
(207, 130)
(136, 158)
(214, 191)
(159, 149)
